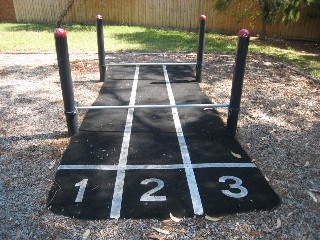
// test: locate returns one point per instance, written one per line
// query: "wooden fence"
(7, 13)
(182, 14)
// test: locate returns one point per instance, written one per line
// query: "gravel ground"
(279, 127)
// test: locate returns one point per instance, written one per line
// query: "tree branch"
(64, 13)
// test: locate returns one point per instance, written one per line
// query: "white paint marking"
(118, 188)
(148, 197)
(237, 185)
(156, 167)
(82, 187)
(224, 165)
(191, 179)
(89, 167)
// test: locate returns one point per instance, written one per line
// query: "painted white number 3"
(237, 185)
(147, 197)
(82, 188)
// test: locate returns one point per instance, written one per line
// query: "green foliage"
(291, 9)
(222, 5)
(269, 10)
(314, 12)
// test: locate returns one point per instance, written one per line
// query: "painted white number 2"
(147, 197)
(82, 185)
(237, 185)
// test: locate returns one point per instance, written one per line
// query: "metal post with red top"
(200, 54)
(66, 80)
(101, 52)
(237, 82)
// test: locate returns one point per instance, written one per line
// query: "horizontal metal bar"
(153, 167)
(148, 64)
(154, 106)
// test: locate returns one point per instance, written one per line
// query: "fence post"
(237, 82)
(200, 53)
(101, 52)
(66, 80)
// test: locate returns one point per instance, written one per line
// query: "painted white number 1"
(237, 185)
(82, 185)
(147, 197)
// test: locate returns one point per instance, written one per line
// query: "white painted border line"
(191, 179)
(156, 167)
(200, 105)
(149, 64)
(118, 188)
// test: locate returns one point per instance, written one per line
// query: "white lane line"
(118, 188)
(88, 167)
(224, 165)
(191, 179)
(156, 167)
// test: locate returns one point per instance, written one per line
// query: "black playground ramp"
(150, 162)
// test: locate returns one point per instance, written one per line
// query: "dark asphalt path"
(143, 166)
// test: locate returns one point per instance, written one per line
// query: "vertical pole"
(66, 80)
(200, 53)
(237, 82)
(101, 52)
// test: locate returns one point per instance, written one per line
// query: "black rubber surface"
(154, 141)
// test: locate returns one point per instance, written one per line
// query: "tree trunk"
(64, 13)
(263, 32)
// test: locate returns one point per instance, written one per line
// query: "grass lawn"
(39, 38)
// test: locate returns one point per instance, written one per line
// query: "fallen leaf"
(86, 234)
(313, 196)
(175, 219)
(236, 155)
(167, 222)
(18, 234)
(51, 165)
(279, 223)
(314, 190)
(290, 214)
(214, 219)
(305, 165)
(180, 230)
(154, 237)
(160, 230)
(253, 233)
(198, 238)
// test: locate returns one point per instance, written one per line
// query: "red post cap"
(99, 17)
(203, 17)
(243, 33)
(60, 32)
